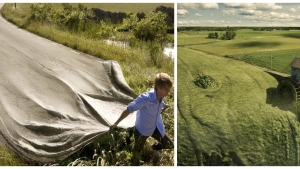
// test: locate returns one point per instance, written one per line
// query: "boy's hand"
(112, 126)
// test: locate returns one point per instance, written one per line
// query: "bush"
(204, 81)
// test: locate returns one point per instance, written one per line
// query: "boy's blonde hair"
(161, 80)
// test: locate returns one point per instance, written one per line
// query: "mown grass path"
(239, 122)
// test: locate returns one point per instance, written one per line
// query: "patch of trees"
(169, 14)
(213, 35)
(228, 35)
(117, 17)
(113, 17)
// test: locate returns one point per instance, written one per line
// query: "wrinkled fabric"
(54, 101)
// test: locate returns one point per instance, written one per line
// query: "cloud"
(280, 15)
(199, 5)
(270, 6)
(211, 14)
(209, 6)
(247, 12)
(182, 12)
(222, 21)
(238, 5)
(292, 10)
(257, 6)
(188, 22)
(188, 5)
(211, 21)
(239, 22)
(197, 14)
(230, 12)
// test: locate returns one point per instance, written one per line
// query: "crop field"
(270, 49)
(238, 122)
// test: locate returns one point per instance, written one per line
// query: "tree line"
(199, 28)
(117, 17)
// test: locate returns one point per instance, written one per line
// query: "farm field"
(238, 122)
(254, 47)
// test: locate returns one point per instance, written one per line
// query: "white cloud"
(211, 14)
(230, 12)
(188, 5)
(222, 21)
(182, 12)
(209, 6)
(280, 15)
(199, 5)
(269, 6)
(239, 22)
(181, 22)
(197, 14)
(257, 6)
(211, 21)
(188, 22)
(238, 5)
(292, 10)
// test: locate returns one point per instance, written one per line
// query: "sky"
(238, 14)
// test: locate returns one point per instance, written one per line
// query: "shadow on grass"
(257, 44)
(291, 35)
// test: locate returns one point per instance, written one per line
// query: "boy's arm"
(124, 114)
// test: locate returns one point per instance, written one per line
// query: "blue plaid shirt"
(148, 115)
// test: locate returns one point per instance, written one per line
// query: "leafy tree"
(130, 22)
(230, 34)
(75, 19)
(43, 12)
(211, 35)
(152, 28)
(106, 30)
(216, 35)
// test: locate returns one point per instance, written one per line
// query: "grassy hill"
(254, 47)
(239, 122)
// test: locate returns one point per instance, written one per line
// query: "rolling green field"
(239, 122)
(254, 47)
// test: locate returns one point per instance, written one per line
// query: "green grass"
(255, 47)
(137, 69)
(9, 158)
(239, 122)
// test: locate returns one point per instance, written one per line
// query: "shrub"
(204, 81)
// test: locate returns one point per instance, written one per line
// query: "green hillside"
(239, 122)
(271, 49)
